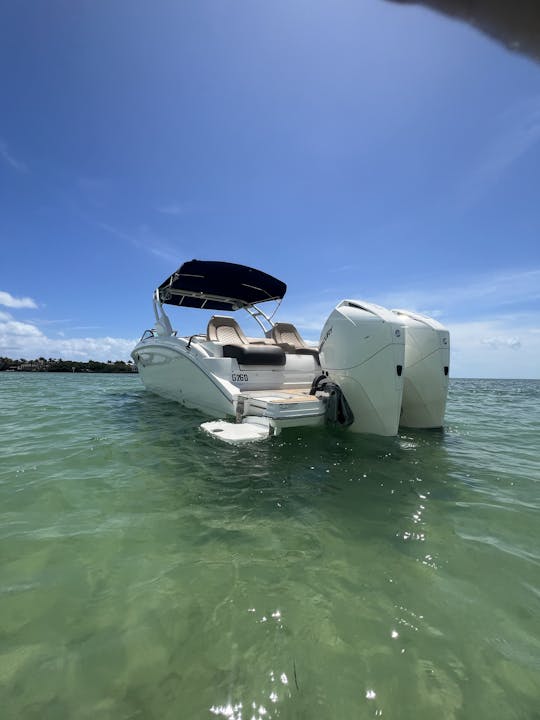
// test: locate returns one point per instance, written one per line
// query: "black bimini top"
(219, 286)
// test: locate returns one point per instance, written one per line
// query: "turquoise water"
(148, 571)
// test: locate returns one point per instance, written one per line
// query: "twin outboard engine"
(425, 377)
(362, 349)
(391, 366)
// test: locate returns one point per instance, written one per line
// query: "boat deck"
(286, 407)
(281, 397)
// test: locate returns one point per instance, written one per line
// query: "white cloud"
(12, 302)
(20, 339)
(101, 349)
(10, 329)
(25, 339)
(502, 342)
(504, 347)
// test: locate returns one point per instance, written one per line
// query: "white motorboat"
(374, 368)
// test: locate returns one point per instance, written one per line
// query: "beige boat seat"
(223, 329)
(285, 335)
(226, 331)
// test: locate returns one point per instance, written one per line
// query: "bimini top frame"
(213, 285)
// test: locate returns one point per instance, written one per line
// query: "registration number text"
(240, 377)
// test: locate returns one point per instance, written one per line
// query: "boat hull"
(173, 374)
(187, 374)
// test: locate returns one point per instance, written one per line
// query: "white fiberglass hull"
(220, 388)
(172, 373)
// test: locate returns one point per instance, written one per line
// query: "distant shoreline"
(72, 366)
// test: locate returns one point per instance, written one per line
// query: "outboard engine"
(362, 349)
(425, 376)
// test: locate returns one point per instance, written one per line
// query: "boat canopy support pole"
(264, 321)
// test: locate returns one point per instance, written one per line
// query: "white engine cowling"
(362, 349)
(425, 375)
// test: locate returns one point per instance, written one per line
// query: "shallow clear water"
(149, 571)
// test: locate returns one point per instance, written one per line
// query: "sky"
(354, 148)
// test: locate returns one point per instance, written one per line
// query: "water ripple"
(148, 570)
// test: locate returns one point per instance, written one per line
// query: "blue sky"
(354, 149)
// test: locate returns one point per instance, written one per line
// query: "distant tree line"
(59, 365)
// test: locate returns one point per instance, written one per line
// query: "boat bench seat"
(287, 336)
(270, 350)
(300, 350)
(255, 354)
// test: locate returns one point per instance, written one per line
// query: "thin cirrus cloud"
(473, 297)
(517, 133)
(477, 296)
(493, 323)
(143, 238)
(10, 160)
(172, 209)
